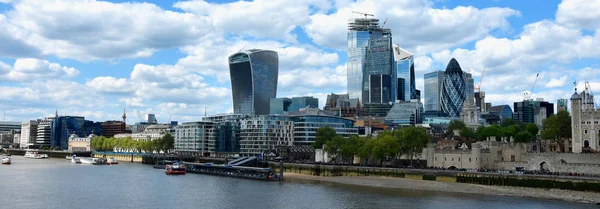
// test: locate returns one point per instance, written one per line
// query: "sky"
(98, 58)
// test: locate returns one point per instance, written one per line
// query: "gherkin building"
(454, 89)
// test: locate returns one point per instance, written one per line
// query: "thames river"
(56, 183)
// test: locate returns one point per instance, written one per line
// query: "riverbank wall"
(122, 157)
(481, 178)
(50, 153)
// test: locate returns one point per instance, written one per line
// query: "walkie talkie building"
(253, 80)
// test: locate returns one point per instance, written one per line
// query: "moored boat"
(6, 161)
(93, 161)
(75, 159)
(34, 155)
(111, 161)
(175, 169)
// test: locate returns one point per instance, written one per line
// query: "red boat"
(175, 169)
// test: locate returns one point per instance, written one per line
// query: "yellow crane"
(362, 13)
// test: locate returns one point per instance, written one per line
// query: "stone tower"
(576, 122)
(124, 116)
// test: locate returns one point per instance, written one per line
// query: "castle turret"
(576, 122)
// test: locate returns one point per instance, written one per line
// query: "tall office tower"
(470, 88)
(404, 62)
(433, 89)
(379, 76)
(151, 118)
(253, 80)
(360, 32)
(454, 89)
(480, 101)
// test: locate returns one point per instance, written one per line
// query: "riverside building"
(263, 133)
(308, 120)
(28, 134)
(253, 80)
(194, 138)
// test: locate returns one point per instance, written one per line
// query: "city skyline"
(181, 68)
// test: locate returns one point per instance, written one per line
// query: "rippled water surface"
(56, 183)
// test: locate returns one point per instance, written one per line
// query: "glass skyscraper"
(454, 89)
(379, 75)
(433, 88)
(361, 33)
(404, 63)
(253, 80)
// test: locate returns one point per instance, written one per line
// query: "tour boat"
(6, 161)
(111, 161)
(33, 155)
(175, 169)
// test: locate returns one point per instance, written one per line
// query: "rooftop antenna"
(243, 47)
(204, 110)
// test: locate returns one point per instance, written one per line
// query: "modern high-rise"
(470, 88)
(44, 132)
(263, 133)
(193, 138)
(64, 126)
(480, 101)
(309, 120)
(454, 89)
(433, 87)
(530, 111)
(253, 80)
(28, 134)
(362, 33)
(404, 63)
(379, 74)
(151, 118)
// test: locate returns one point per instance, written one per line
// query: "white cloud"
(90, 30)
(259, 18)
(579, 14)
(133, 101)
(110, 84)
(31, 70)
(557, 82)
(430, 29)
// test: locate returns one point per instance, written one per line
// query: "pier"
(266, 174)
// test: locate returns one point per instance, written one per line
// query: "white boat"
(34, 155)
(112, 161)
(6, 161)
(76, 160)
(93, 161)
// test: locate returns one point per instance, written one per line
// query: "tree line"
(520, 132)
(390, 144)
(128, 144)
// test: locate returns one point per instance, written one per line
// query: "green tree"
(550, 128)
(366, 150)
(169, 142)
(482, 133)
(467, 133)
(510, 131)
(334, 146)
(413, 141)
(532, 129)
(495, 131)
(385, 146)
(508, 122)
(455, 125)
(523, 137)
(323, 135)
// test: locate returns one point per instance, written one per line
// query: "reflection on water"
(56, 183)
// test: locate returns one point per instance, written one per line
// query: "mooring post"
(281, 170)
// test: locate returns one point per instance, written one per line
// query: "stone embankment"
(440, 186)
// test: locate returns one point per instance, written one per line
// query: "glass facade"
(405, 113)
(64, 126)
(504, 111)
(253, 80)
(360, 31)
(470, 88)
(194, 138)
(378, 85)
(405, 68)
(303, 102)
(454, 89)
(306, 126)
(433, 88)
(263, 133)
(278, 106)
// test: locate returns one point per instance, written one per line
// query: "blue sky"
(96, 58)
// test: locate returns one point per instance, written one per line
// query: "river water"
(56, 183)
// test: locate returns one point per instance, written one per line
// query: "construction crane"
(588, 88)
(384, 22)
(527, 95)
(362, 13)
(478, 86)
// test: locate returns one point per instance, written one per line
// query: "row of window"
(589, 122)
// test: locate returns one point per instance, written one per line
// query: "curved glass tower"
(253, 80)
(454, 89)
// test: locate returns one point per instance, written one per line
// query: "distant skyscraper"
(406, 70)
(433, 89)
(360, 32)
(253, 80)
(281, 105)
(151, 118)
(454, 89)
(480, 101)
(561, 104)
(470, 88)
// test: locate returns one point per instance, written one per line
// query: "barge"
(265, 174)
